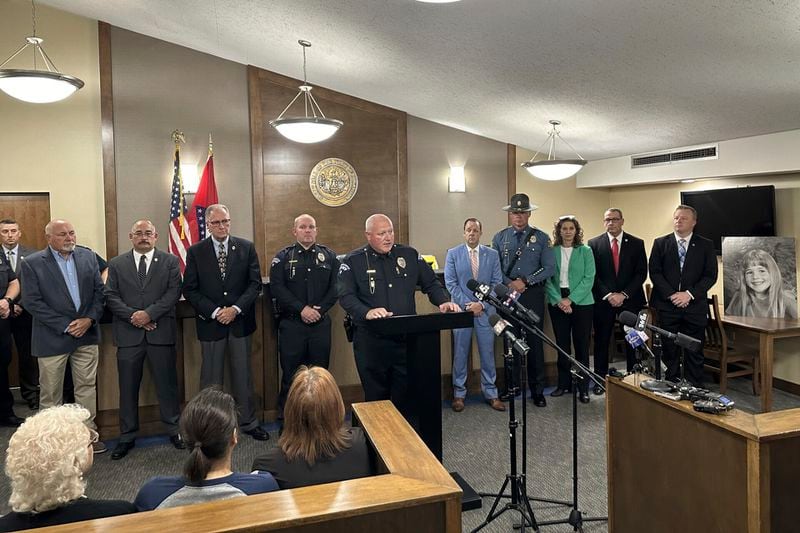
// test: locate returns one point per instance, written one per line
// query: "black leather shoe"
(598, 390)
(177, 441)
(557, 392)
(11, 421)
(539, 401)
(258, 433)
(122, 449)
(504, 397)
(584, 398)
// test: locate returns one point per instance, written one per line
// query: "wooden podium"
(424, 366)
(671, 468)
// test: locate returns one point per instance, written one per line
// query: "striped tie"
(682, 252)
(473, 259)
(142, 269)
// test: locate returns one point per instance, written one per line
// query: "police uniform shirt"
(7, 275)
(300, 277)
(536, 261)
(368, 280)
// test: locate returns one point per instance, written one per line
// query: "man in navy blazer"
(683, 267)
(64, 295)
(469, 261)
(143, 286)
(621, 270)
(222, 281)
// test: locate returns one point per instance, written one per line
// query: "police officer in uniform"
(377, 281)
(303, 282)
(527, 260)
(9, 290)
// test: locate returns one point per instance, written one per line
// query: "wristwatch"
(10, 302)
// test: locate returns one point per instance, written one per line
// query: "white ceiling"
(624, 76)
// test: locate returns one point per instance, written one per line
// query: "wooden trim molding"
(107, 138)
(511, 169)
(257, 165)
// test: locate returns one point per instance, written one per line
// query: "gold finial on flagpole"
(178, 137)
(210, 145)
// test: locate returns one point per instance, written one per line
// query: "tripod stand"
(519, 499)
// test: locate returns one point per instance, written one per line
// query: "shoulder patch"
(344, 267)
(275, 261)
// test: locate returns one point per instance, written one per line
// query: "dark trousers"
(212, 372)
(6, 399)
(533, 299)
(693, 325)
(604, 320)
(301, 344)
(382, 367)
(28, 367)
(130, 364)
(572, 329)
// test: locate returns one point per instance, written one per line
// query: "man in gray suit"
(143, 286)
(20, 319)
(64, 295)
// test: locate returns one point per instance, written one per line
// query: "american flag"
(179, 236)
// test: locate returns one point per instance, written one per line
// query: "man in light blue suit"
(464, 262)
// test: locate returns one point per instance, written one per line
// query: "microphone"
(480, 290)
(502, 292)
(500, 328)
(641, 320)
(635, 337)
(627, 318)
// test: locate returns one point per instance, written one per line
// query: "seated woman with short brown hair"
(315, 446)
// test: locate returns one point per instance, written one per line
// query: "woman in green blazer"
(569, 295)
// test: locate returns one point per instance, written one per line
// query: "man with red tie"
(621, 266)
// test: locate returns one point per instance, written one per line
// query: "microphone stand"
(579, 372)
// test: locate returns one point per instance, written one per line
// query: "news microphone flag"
(179, 236)
(206, 195)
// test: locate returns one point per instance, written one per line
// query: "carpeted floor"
(476, 445)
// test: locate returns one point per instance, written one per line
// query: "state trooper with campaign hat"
(527, 261)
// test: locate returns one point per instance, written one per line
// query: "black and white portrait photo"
(760, 276)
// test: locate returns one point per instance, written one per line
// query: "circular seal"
(333, 182)
(401, 262)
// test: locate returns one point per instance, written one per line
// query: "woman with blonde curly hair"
(47, 459)
(315, 446)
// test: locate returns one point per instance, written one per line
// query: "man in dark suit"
(143, 286)
(64, 295)
(20, 320)
(9, 290)
(683, 267)
(222, 281)
(621, 270)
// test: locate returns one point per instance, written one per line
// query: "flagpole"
(178, 138)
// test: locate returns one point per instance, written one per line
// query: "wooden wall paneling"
(511, 172)
(256, 161)
(32, 213)
(107, 133)
(372, 140)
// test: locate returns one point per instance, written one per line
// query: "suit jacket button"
(390, 285)
(225, 293)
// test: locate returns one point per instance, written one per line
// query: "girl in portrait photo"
(761, 291)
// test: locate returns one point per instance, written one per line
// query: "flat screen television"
(739, 212)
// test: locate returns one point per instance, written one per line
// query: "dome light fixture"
(312, 128)
(36, 85)
(552, 169)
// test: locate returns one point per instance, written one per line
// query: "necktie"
(682, 252)
(12, 260)
(222, 258)
(473, 259)
(142, 268)
(518, 235)
(615, 254)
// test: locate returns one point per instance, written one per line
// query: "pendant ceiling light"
(310, 128)
(37, 86)
(552, 169)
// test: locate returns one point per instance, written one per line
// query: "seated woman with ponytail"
(209, 427)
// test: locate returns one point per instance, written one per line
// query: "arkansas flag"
(206, 196)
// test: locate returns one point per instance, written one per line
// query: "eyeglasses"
(615, 219)
(93, 437)
(223, 222)
(144, 233)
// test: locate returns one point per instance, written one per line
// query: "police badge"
(321, 257)
(401, 262)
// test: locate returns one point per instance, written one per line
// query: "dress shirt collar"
(216, 244)
(687, 238)
(148, 257)
(15, 249)
(618, 237)
(58, 255)
(477, 248)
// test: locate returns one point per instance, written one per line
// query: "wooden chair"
(729, 362)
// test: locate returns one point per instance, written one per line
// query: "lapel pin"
(155, 259)
(233, 247)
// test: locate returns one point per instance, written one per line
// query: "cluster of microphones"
(635, 326)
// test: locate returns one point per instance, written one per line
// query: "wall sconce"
(457, 182)
(190, 178)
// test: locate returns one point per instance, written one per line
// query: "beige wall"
(160, 87)
(55, 148)
(436, 216)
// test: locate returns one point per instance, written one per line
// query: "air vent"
(678, 155)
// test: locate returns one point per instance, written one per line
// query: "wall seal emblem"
(333, 182)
